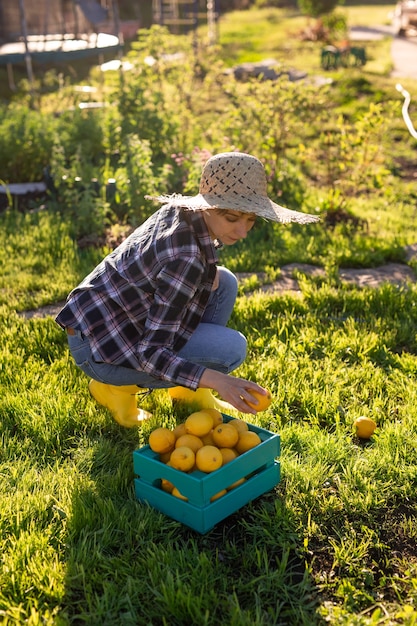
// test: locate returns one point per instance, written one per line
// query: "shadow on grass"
(130, 564)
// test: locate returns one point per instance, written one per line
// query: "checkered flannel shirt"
(141, 304)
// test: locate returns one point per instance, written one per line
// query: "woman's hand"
(233, 390)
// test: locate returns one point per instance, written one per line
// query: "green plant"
(133, 177)
(352, 155)
(81, 132)
(24, 132)
(336, 24)
(315, 8)
(149, 104)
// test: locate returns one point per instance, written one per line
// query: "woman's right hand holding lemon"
(245, 395)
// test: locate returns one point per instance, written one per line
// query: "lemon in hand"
(263, 401)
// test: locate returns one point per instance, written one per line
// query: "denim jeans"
(212, 344)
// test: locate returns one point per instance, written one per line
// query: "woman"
(153, 313)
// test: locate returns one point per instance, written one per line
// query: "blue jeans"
(212, 344)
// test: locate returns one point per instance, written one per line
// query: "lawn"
(334, 542)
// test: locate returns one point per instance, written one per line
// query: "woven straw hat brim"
(254, 204)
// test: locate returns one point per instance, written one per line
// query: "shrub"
(26, 140)
(316, 8)
(81, 132)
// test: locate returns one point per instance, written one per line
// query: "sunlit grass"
(74, 535)
(276, 33)
(335, 541)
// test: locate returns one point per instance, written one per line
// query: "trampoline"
(56, 31)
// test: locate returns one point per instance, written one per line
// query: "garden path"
(393, 273)
(403, 49)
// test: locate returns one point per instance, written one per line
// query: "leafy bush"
(316, 8)
(336, 23)
(133, 178)
(321, 146)
(26, 140)
(80, 132)
(151, 102)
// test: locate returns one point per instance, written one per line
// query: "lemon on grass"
(365, 427)
(263, 401)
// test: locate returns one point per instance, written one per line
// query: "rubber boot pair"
(120, 401)
(201, 399)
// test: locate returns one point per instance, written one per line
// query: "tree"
(317, 8)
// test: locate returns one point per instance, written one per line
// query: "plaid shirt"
(141, 304)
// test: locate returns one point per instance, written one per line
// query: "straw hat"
(235, 180)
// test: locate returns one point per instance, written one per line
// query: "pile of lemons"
(203, 442)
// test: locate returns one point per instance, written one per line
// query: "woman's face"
(228, 225)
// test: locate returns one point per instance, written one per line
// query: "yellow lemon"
(208, 459)
(199, 423)
(236, 484)
(164, 458)
(166, 485)
(215, 414)
(247, 441)
(218, 495)
(228, 454)
(225, 436)
(179, 495)
(182, 458)
(208, 439)
(239, 424)
(179, 430)
(162, 440)
(365, 427)
(263, 401)
(191, 441)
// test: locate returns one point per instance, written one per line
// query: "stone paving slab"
(394, 273)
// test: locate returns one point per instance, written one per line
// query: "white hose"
(406, 117)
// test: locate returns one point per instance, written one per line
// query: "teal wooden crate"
(259, 466)
(204, 518)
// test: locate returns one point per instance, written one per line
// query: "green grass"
(335, 541)
(275, 33)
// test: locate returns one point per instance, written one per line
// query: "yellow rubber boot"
(120, 401)
(202, 399)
